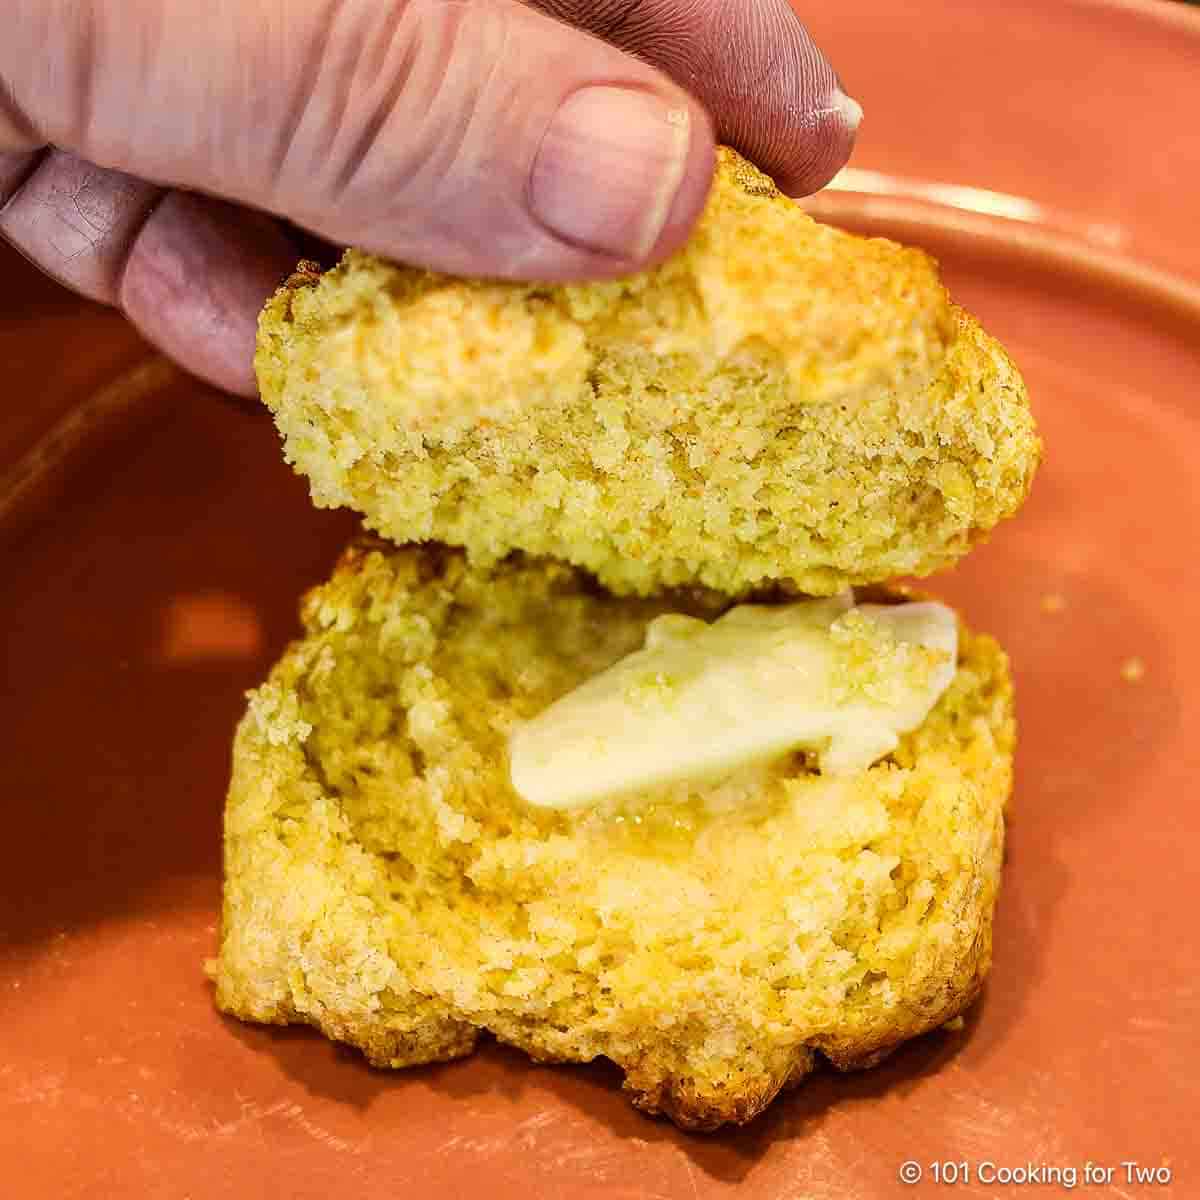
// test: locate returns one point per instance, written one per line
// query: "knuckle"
(407, 91)
(16, 170)
(78, 221)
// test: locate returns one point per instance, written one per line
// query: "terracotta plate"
(1047, 152)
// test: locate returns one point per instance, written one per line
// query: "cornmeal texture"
(384, 883)
(779, 401)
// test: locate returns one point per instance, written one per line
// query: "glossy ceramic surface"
(150, 575)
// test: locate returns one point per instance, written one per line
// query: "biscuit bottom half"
(384, 883)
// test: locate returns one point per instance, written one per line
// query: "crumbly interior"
(384, 883)
(778, 401)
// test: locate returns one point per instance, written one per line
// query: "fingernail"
(609, 167)
(849, 108)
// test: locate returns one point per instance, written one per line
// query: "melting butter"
(700, 701)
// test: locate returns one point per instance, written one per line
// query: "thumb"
(470, 136)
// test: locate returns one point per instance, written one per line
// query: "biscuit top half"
(779, 404)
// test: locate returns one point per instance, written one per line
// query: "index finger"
(772, 93)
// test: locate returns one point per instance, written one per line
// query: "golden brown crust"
(779, 401)
(384, 885)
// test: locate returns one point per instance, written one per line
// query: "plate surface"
(1047, 153)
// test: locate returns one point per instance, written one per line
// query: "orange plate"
(147, 583)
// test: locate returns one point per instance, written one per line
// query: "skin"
(167, 157)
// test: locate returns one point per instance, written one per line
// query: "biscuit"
(779, 401)
(384, 884)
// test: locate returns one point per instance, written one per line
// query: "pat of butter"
(700, 700)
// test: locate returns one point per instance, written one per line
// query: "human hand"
(148, 146)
